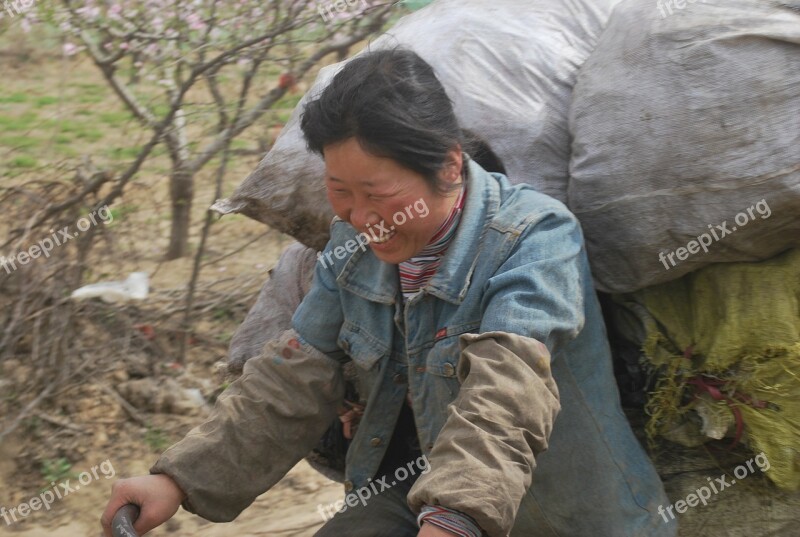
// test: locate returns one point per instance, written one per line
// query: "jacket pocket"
(364, 349)
(442, 359)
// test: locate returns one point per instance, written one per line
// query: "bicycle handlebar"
(122, 524)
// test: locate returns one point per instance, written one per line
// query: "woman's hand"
(429, 530)
(157, 496)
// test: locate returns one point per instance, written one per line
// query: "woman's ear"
(453, 164)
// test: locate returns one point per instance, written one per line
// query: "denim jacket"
(509, 315)
(516, 266)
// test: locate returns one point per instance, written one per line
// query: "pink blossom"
(70, 49)
(115, 12)
(195, 22)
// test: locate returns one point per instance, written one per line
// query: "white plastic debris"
(135, 287)
(195, 396)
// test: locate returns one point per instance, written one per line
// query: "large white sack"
(682, 122)
(509, 67)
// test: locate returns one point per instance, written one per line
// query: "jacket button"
(375, 442)
(449, 370)
(348, 486)
(399, 378)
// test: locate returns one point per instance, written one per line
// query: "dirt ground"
(751, 507)
(288, 510)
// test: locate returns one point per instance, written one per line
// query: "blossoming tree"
(228, 60)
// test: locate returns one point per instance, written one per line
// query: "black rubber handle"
(122, 525)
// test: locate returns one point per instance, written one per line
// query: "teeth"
(384, 239)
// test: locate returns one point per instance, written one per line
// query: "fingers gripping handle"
(122, 525)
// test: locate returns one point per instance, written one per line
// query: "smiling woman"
(473, 333)
(389, 136)
(366, 190)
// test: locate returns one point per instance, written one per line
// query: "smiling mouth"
(384, 238)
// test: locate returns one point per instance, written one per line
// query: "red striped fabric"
(415, 273)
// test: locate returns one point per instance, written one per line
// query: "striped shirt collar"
(416, 272)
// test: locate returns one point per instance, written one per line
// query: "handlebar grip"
(122, 524)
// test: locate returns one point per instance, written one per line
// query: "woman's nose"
(361, 216)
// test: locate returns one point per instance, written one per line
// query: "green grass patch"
(19, 142)
(14, 98)
(156, 439)
(56, 469)
(160, 110)
(67, 126)
(23, 161)
(121, 212)
(120, 153)
(95, 89)
(46, 100)
(115, 118)
(18, 123)
(92, 135)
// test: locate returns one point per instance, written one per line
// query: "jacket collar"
(365, 275)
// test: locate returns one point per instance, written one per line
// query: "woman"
(467, 307)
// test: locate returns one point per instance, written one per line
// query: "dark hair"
(480, 151)
(393, 104)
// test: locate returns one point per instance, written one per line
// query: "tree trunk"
(181, 191)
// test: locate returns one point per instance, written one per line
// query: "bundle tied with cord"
(726, 343)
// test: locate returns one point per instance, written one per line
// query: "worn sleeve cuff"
(450, 520)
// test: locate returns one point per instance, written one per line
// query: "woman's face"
(394, 206)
